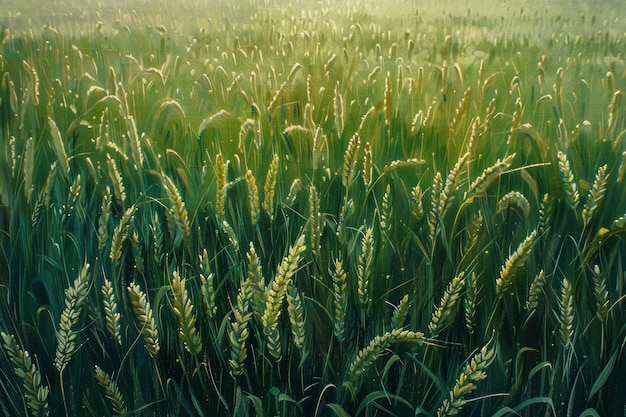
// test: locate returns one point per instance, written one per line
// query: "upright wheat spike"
(103, 221)
(340, 298)
(566, 312)
(386, 212)
(545, 212)
(473, 231)
(364, 267)
(471, 301)
(257, 283)
(276, 294)
(315, 220)
(569, 183)
(111, 391)
(536, 288)
(111, 315)
(253, 197)
(178, 210)
(367, 165)
(366, 357)
(238, 333)
(601, 295)
(35, 393)
(516, 261)
(157, 239)
(338, 111)
(220, 188)
(207, 290)
(388, 100)
(596, 194)
(120, 234)
(350, 159)
(450, 184)
(445, 312)
(143, 312)
(269, 188)
(435, 195)
(184, 311)
(116, 179)
(400, 313)
(66, 334)
(295, 310)
(417, 207)
(466, 383)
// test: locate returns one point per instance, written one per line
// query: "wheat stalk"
(75, 295)
(513, 264)
(143, 312)
(111, 315)
(366, 357)
(445, 312)
(111, 391)
(183, 309)
(466, 382)
(35, 393)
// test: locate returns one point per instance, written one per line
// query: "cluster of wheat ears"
(312, 212)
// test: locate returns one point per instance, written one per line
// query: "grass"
(311, 209)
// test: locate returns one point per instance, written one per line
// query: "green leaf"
(604, 375)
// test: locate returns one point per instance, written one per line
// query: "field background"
(312, 208)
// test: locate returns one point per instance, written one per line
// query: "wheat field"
(333, 208)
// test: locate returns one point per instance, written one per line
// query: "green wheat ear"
(466, 383)
(143, 312)
(111, 391)
(66, 334)
(35, 393)
(184, 311)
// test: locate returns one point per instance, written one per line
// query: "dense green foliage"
(311, 209)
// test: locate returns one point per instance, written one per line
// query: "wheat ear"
(536, 288)
(269, 188)
(400, 313)
(35, 393)
(513, 264)
(566, 312)
(350, 159)
(417, 207)
(466, 383)
(276, 294)
(386, 212)
(471, 301)
(315, 221)
(601, 295)
(295, 310)
(596, 194)
(184, 311)
(103, 220)
(143, 312)
(220, 188)
(340, 298)
(66, 334)
(116, 179)
(488, 176)
(569, 183)
(364, 267)
(111, 315)
(111, 391)
(120, 234)
(366, 357)
(238, 333)
(445, 312)
(178, 211)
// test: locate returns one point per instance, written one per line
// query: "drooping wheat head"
(488, 176)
